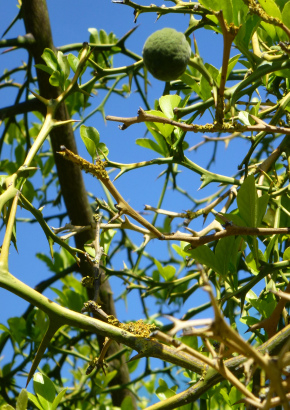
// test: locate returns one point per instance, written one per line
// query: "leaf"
(94, 35)
(73, 62)
(273, 10)
(147, 143)
(34, 400)
(165, 129)
(4, 328)
(55, 79)
(286, 14)
(262, 207)
(166, 272)
(286, 254)
(242, 39)
(264, 306)
(224, 393)
(234, 396)
(163, 392)
(50, 59)
(52, 329)
(247, 201)
(91, 139)
(63, 65)
(45, 390)
(217, 5)
(58, 398)
(18, 329)
(225, 251)
(22, 399)
(106, 238)
(179, 249)
(204, 255)
(244, 117)
(249, 320)
(240, 11)
(127, 403)
(102, 150)
(252, 260)
(167, 103)
(45, 68)
(232, 62)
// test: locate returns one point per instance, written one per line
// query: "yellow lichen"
(138, 328)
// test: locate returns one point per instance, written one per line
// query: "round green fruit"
(166, 54)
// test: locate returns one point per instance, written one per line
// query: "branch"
(22, 108)
(98, 170)
(143, 116)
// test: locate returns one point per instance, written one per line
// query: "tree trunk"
(36, 19)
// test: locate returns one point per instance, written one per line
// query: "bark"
(36, 20)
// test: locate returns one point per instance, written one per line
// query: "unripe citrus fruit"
(166, 54)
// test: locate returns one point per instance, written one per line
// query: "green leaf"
(249, 320)
(264, 306)
(224, 5)
(94, 35)
(252, 260)
(163, 392)
(127, 403)
(4, 328)
(58, 398)
(147, 143)
(45, 68)
(106, 238)
(204, 255)
(244, 117)
(273, 10)
(166, 272)
(73, 62)
(55, 79)
(286, 14)
(7, 407)
(91, 138)
(102, 150)
(165, 129)
(262, 207)
(22, 399)
(226, 250)
(18, 329)
(247, 201)
(286, 254)
(34, 400)
(240, 11)
(224, 393)
(50, 59)
(188, 80)
(167, 103)
(45, 390)
(104, 37)
(234, 396)
(63, 65)
(243, 38)
(179, 249)
(232, 62)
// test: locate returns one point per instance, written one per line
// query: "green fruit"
(166, 54)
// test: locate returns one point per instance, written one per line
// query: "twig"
(143, 116)
(98, 170)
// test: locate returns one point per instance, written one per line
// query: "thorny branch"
(143, 116)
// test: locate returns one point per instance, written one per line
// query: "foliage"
(244, 248)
